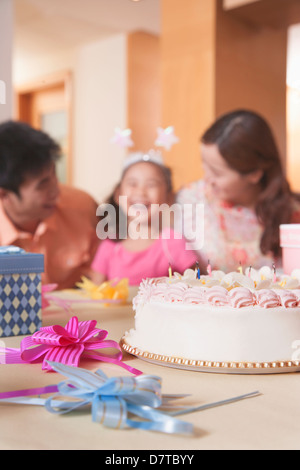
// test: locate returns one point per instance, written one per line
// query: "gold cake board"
(278, 367)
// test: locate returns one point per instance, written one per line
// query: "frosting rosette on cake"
(241, 297)
(288, 298)
(267, 298)
(219, 289)
(217, 295)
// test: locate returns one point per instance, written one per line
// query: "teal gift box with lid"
(20, 291)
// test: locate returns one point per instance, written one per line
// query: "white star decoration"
(122, 137)
(166, 137)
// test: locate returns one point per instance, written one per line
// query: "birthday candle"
(170, 271)
(274, 275)
(198, 271)
(249, 272)
(240, 269)
(209, 268)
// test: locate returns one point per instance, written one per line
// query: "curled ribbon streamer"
(66, 346)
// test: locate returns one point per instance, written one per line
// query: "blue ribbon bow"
(116, 402)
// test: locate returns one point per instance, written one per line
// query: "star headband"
(152, 156)
(165, 138)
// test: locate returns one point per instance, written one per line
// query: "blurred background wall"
(81, 69)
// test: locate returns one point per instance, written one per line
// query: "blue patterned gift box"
(20, 291)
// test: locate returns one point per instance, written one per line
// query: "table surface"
(268, 421)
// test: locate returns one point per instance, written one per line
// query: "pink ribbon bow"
(66, 346)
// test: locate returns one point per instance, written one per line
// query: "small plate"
(278, 367)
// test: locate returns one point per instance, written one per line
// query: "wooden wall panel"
(214, 62)
(293, 138)
(144, 89)
(251, 71)
(188, 80)
(228, 4)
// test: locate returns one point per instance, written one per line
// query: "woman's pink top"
(115, 262)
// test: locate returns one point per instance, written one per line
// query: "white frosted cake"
(248, 321)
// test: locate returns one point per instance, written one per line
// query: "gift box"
(290, 244)
(20, 291)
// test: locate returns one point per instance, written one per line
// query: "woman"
(244, 192)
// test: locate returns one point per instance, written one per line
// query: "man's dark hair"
(24, 152)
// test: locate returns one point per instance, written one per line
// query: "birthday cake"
(222, 322)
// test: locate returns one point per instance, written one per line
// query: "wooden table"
(269, 421)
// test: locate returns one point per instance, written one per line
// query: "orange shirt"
(67, 239)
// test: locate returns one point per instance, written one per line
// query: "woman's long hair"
(246, 142)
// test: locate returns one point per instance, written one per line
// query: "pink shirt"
(115, 262)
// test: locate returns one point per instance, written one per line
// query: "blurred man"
(39, 215)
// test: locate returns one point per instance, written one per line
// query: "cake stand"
(276, 367)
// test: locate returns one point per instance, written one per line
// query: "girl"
(245, 192)
(147, 249)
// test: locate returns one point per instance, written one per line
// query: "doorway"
(45, 104)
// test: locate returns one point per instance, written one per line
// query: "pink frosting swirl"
(217, 295)
(175, 292)
(287, 298)
(162, 290)
(158, 293)
(241, 297)
(296, 292)
(267, 298)
(144, 293)
(194, 295)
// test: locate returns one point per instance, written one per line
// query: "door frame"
(23, 94)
